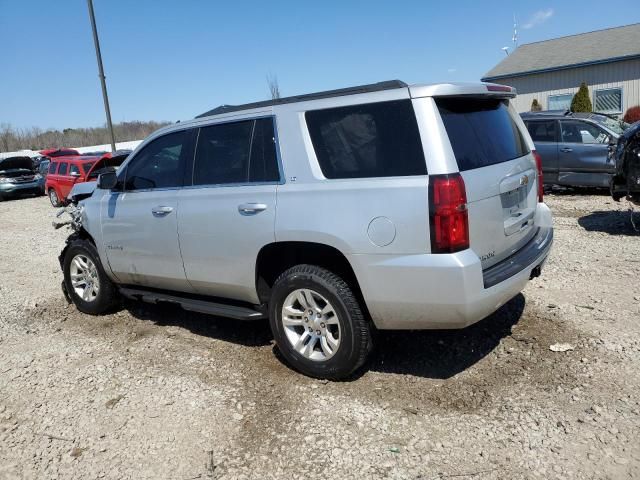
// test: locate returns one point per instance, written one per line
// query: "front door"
(228, 213)
(139, 222)
(583, 154)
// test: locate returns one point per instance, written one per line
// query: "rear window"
(363, 141)
(481, 131)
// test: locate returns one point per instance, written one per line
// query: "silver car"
(386, 205)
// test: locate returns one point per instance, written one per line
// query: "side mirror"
(107, 181)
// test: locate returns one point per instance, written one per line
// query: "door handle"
(161, 211)
(566, 149)
(251, 208)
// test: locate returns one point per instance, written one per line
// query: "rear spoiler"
(462, 89)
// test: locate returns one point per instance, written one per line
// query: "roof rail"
(372, 87)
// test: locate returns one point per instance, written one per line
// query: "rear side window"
(481, 131)
(52, 167)
(74, 170)
(543, 131)
(371, 140)
(238, 152)
(62, 170)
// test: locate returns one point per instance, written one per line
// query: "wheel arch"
(274, 258)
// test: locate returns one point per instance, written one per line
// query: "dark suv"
(574, 146)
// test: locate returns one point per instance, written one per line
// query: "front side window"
(574, 131)
(52, 167)
(370, 140)
(238, 152)
(608, 100)
(62, 169)
(158, 165)
(560, 102)
(542, 131)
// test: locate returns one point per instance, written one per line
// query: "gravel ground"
(159, 393)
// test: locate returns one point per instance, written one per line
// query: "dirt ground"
(158, 393)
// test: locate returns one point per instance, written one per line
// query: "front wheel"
(318, 324)
(85, 280)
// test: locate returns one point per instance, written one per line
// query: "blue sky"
(170, 60)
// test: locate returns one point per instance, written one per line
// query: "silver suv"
(383, 206)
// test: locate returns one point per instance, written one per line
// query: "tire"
(53, 198)
(348, 323)
(99, 300)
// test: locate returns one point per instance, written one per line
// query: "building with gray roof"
(551, 71)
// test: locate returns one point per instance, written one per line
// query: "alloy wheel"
(84, 278)
(311, 324)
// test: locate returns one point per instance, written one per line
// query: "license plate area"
(517, 216)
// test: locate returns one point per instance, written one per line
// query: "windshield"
(616, 126)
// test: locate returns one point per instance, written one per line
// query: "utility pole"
(101, 75)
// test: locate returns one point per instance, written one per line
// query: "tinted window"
(543, 131)
(481, 131)
(86, 166)
(574, 131)
(373, 140)
(263, 166)
(158, 164)
(62, 169)
(74, 170)
(52, 167)
(238, 152)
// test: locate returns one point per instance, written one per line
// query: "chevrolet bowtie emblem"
(524, 180)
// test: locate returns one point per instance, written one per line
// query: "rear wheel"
(318, 323)
(53, 198)
(85, 280)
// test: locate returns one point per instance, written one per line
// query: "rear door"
(583, 154)
(544, 134)
(228, 214)
(499, 173)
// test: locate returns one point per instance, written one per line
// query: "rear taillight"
(448, 213)
(536, 155)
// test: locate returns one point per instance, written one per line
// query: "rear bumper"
(446, 291)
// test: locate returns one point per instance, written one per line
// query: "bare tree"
(274, 88)
(34, 138)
